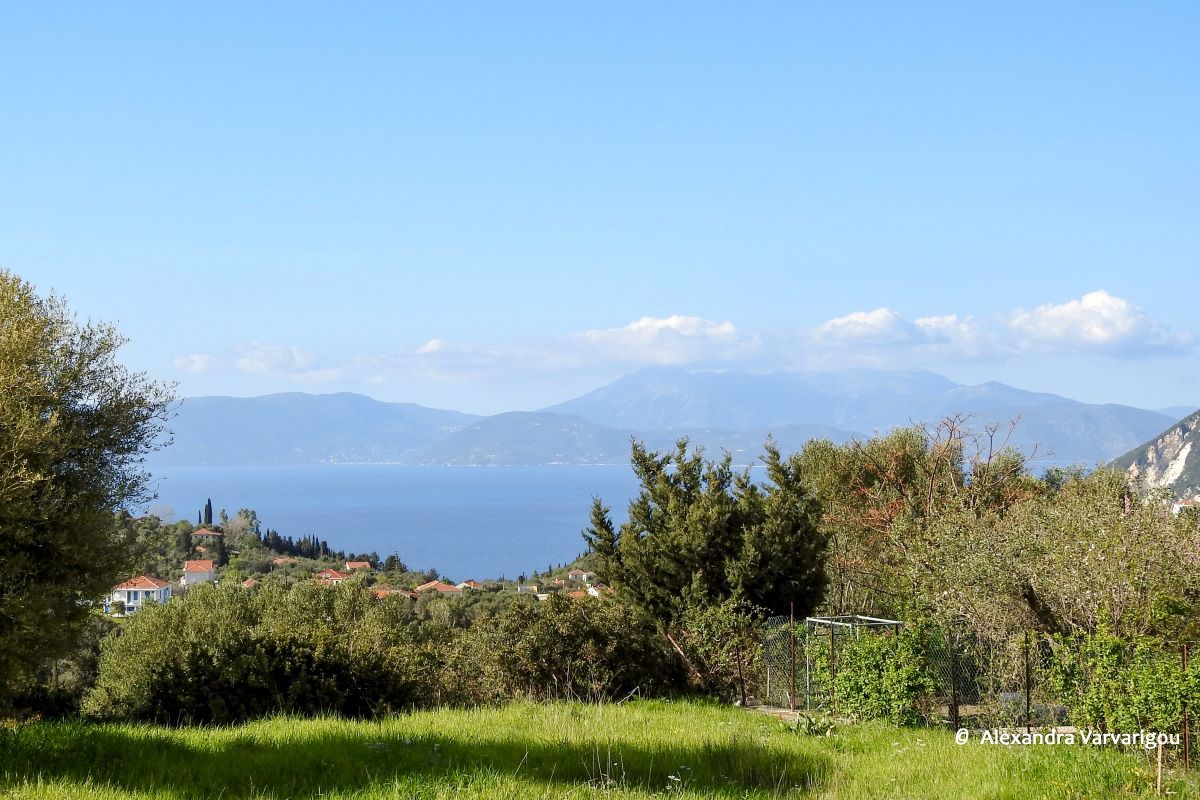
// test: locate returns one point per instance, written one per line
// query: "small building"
(136, 591)
(439, 587)
(527, 588)
(351, 566)
(473, 585)
(197, 572)
(204, 534)
(1180, 505)
(599, 590)
(249, 583)
(331, 577)
(581, 575)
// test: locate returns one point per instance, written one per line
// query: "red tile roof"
(206, 532)
(142, 582)
(439, 587)
(358, 565)
(200, 565)
(249, 583)
(333, 574)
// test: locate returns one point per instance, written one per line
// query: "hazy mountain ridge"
(298, 428)
(1170, 460)
(733, 411)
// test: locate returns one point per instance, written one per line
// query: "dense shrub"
(582, 648)
(225, 654)
(1123, 686)
(882, 676)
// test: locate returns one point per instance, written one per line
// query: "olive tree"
(75, 426)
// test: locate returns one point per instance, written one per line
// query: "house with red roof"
(331, 577)
(198, 572)
(351, 566)
(134, 592)
(471, 584)
(249, 583)
(439, 587)
(207, 535)
(581, 575)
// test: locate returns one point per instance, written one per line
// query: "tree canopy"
(74, 427)
(700, 534)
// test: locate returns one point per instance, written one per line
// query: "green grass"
(527, 751)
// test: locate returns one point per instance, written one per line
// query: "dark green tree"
(208, 512)
(185, 541)
(602, 539)
(700, 534)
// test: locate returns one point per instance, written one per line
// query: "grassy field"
(637, 750)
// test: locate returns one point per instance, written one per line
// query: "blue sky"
(498, 206)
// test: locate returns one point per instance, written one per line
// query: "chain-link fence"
(1023, 682)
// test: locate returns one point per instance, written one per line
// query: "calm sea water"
(467, 522)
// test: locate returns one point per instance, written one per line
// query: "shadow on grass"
(235, 765)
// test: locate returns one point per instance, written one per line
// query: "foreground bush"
(562, 648)
(226, 653)
(1116, 685)
(883, 676)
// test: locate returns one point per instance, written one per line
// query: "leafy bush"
(882, 676)
(582, 648)
(1123, 686)
(224, 654)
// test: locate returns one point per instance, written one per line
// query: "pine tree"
(601, 539)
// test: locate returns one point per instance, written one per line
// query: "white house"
(197, 572)
(527, 588)
(581, 575)
(136, 591)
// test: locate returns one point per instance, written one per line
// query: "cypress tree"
(208, 512)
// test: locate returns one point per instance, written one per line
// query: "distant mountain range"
(734, 411)
(1171, 459)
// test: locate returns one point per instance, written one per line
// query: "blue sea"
(466, 522)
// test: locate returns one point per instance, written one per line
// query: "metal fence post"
(832, 671)
(1187, 727)
(792, 643)
(1028, 689)
(953, 653)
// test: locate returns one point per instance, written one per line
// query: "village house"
(331, 577)
(249, 583)
(581, 575)
(1180, 505)
(471, 584)
(351, 566)
(527, 588)
(197, 572)
(204, 534)
(439, 587)
(136, 591)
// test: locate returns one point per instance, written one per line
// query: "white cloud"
(1098, 321)
(676, 339)
(197, 362)
(272, 360)
(879, 337)
(880, 326)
